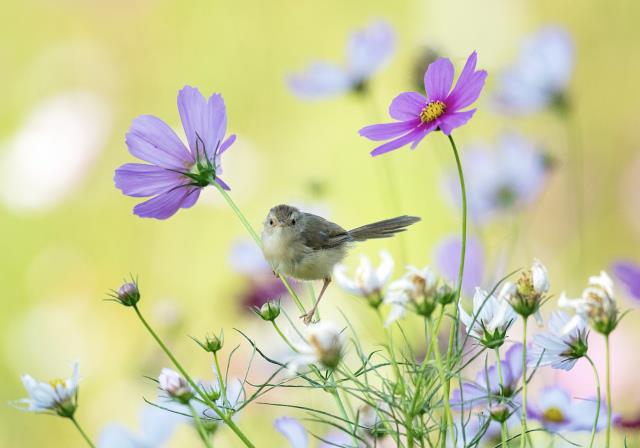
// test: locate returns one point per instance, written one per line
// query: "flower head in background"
(367, 282)
(323, 344)
(487, 383)
(528, 293)
(176, 173)
(503, 179)
(426, 56)
(556, 348)
(156, 427)
(57, 396)
(368, 51)
(540, 76)
(417, 289)
(597, 306)
(629, 274)
(297, 435)
(175, 386)
(447, 258)
(557, 411)
(441, 109)
(491, 319)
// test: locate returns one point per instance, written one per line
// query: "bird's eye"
(293, 222)
(271, 222)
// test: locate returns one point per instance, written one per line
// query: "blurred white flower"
(156, 427)
(541, 74)
(597, 306)
(501, 179)
(323, 345)
(416, 288)
(175, 385)
(367, 282)
(293, 430)
(53, 151)
(558, 349)
(55, 396)
(491, 319)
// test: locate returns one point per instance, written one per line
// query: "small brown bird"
(307, 246)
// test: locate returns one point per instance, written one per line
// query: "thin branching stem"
(595, 421)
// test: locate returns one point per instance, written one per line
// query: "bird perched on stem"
(307, 246)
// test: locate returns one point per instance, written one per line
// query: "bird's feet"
(308, 317)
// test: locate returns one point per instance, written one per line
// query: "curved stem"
(595, 422)
(524, 382)
(608, 381)
(284, 338)
(503, 424)
(81, 431)
(445, 393)
(203, 396)
(258, 241)
(199, 427)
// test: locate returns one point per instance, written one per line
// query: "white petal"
(293, 430)
(540, 277)
(340, 277)
(386, 267)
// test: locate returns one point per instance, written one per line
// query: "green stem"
(258, 241)
(221, 379)
(595, 422)
(203, 396)
(336, 395)
(84, 434)
(445, 394)
(503, 424)
(284, 338)
(201, 431)
(608, 381)
(524, 382)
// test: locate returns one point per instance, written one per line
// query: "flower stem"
(223, 416)
(84, 434)
(199, 427)
(258, 241)
(595, 422)
(284, 338)
(221, 379)
(524, 382)
(445, 394)
(503, 424)
(608, 381)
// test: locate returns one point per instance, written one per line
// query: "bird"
(306, 247)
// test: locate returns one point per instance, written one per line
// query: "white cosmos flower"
(174, 385)
(556, 348)
(597, 306)
(323, 344)
(367, 281)
(57, 395)
(414, 286)
(53, 151)
(491, 318)
(528, 292)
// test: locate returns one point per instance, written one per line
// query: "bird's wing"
(320, 233)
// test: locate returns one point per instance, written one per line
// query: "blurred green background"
(68, 235)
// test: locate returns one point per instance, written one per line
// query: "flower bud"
(128, 294)
(527, 294)
(175, 386)
(445, 295)
(212, 343)
(269, 311)
(500, 413)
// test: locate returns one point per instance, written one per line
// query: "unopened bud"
(269, 311)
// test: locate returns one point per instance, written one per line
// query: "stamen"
(554, 415)
(432, 111)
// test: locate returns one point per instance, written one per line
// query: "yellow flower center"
(57, 382)
(432, 111)
(553, 415)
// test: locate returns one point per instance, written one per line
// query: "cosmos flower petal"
(319, 80)
(454, 120)
(468, 86)
(417, 133)
(426, 130)
(386, 131)
(227, 143)
(407, 106)
(384, 271)
(204, 122)
(152, 140)
(293, 430)
(629, 274)
(369, 49)
(140, 180)
(223, 184)
(167, 204)
(438, 79)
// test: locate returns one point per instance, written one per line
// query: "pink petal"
(438, 79)
(417, 133)
(407, 106)
(139, 179)
(152, 140)
(167, 204)
(468, 86)
(386, 131)
(454, 120)
(204, 121)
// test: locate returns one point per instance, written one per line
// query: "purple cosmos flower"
(447, 256)
(368, 51)
(557, 411)
(441, 109)
(297, 436)
(177, 173)
(629, 274)
(498, 180)
(477, 393)
(541, 74)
